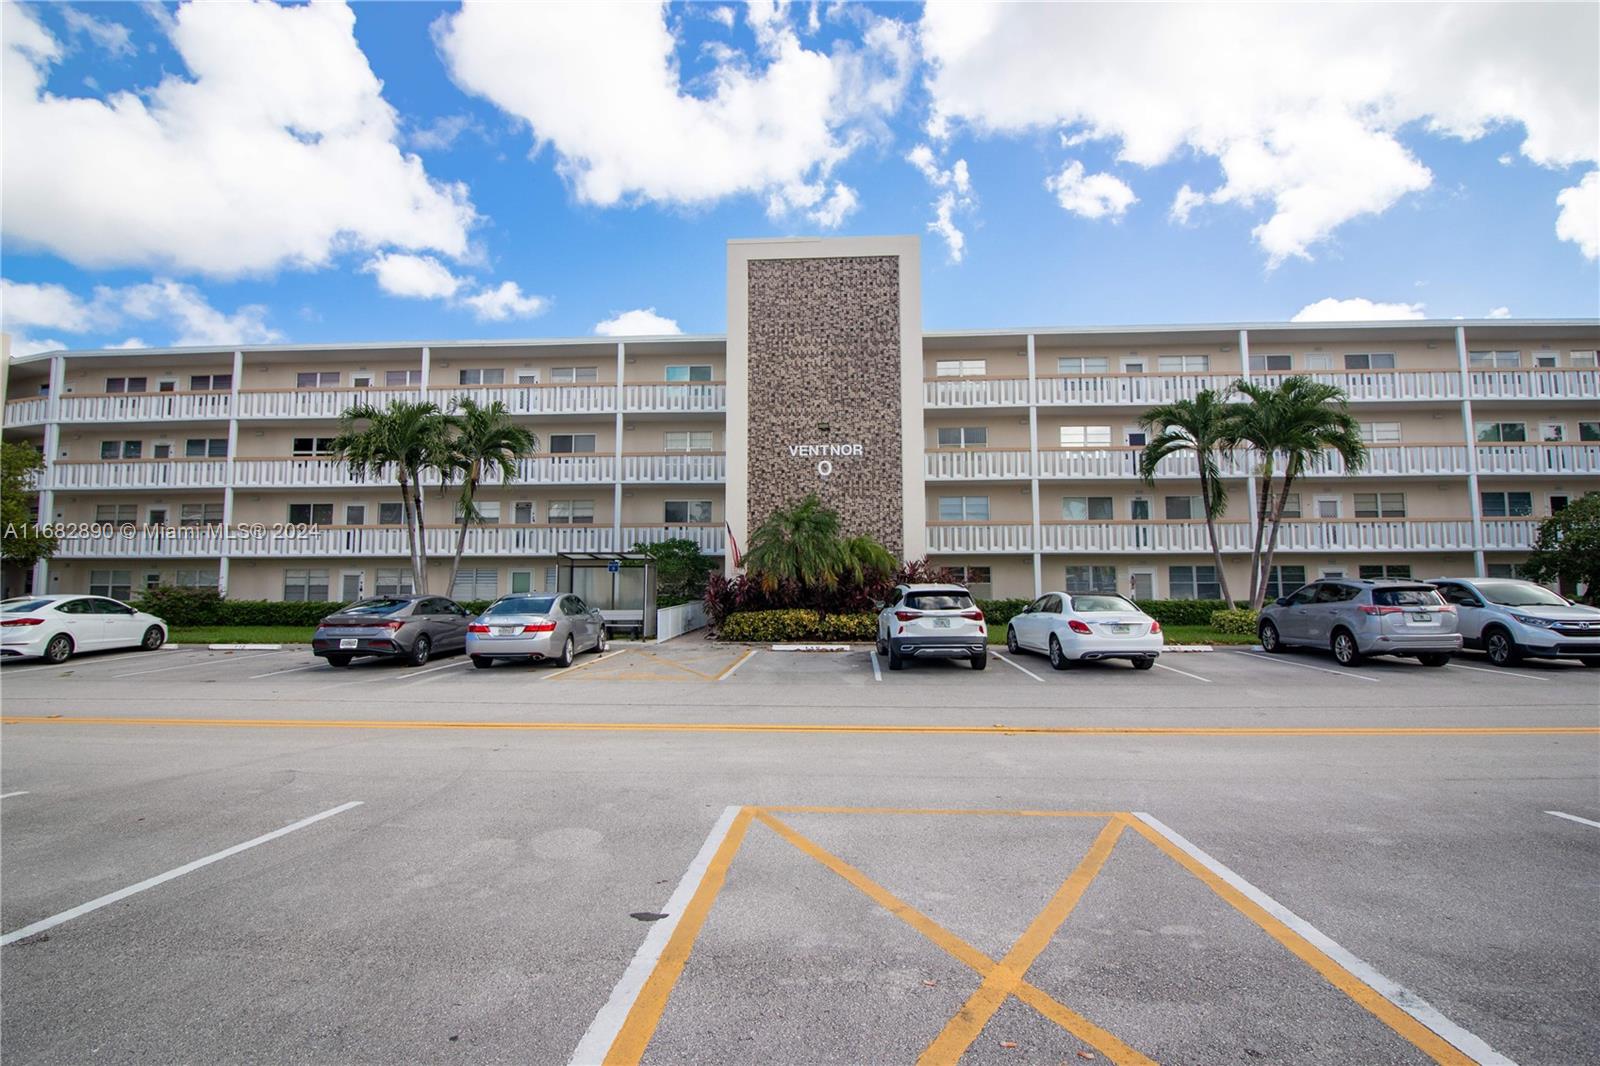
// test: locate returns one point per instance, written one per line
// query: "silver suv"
(932, 622)
(1511, 620)
(1359, 618)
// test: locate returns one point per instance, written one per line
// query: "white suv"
(932, 622)
(1513, 619)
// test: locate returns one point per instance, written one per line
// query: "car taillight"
(23, 622)
(539, 627)
(1368, 608)
(476, 628)
(391, 625)
(1155, 627)
(1078, 627)
(1445, 608)
(975, 615)
(906, 616)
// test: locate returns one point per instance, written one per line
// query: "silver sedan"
(531, 628)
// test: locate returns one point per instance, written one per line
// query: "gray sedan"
(411, 628)
(531, 628)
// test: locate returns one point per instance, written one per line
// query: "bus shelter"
(620, 585)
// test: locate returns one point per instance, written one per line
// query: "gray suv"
(1355, 619)
(1510, 620)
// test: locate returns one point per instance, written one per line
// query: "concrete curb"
(244, 647)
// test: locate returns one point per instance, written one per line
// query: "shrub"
(1181, 612)
(795, 624)
(185, 607)
(1240, 620)
(999, 612)
(681, 570)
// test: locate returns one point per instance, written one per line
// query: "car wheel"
(153, 638)
(1270, 640)
(1145, 663)
(600, 642)
(980, 661)
(566, 654)
(482, 662)
(896, 662)
(1501, 648)
(1433, 658)
(1345, 648)
(1011, 641)
(59, 650)
(1058, 658)
(339, 660)
(421, 648)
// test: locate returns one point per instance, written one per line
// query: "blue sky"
(256, 173)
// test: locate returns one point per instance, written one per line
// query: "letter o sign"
(825, 468)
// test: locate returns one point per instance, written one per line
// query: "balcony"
(976, 464)
(706, 397)
(30, 412)
(1535, 384)
(975, 392)
(533, 399)
(139, 474)
(675, 468)
(1190, 538)
(1556, 459)
(146, 407)
(313, 403)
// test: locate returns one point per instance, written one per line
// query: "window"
(1588, 358)
(312, 445)
(1385, 572)
(488, 512)
(1369, 361)
(1327, 507)
(691, 440)
(195, 579)
(116, 584)
(975, 578)
(963, 436)
(1092, 579)
(523, 514)
(162, 451)
(1185, 508)
(394, 581)
(301, 585)
(575, 512)
(695, 372)
(1086, 436)
(200, 514)
(479, 584)
(402, 378)
(1183, 364)
(210, 382)
(1546, 359)
(483, 376)
(355, 514)
(126, 385)
(569, 443)
(1380, 432)
(206, 448)
(1559, 504)
(390, 514)
(1508, 432)
(316, 379)
(357, 381)
(123, 514)
(1505, 570)
(1506, 504)
(960, 368)
(521, 582)
(1589, 431)
(1263, 364)
(121, 449)
(1134, 366)
(1139, 509)
(963, 508)
(1081, 364)
(527, 377)
(1134, 437)
(1282, 580)
(1193, 583)
(308, 514)
(576, 375)
(1291, 505)
(1553, 432)
(1494, 359)
(1086, 508)
(1380, 505)
(1317, 361)
(166, 386)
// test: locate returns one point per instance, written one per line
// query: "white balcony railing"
(1539, 458)
(1191, 538)
(533, 399)
(314, 403)
(675, 468)
(975, 392)
(976, 464)
(29, 412)
(1534, 384)
(1366, 386)
(987, 537)
(707, 396)
(140, 474)
(1144, 390)
(146, 407)
(711, 539)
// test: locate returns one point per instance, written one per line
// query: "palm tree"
(485, 441)
(864, 562)
(403, 441)
(1296, 421)
(800, 544)
(1199, 426)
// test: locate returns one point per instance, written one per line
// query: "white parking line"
(569, 671)
(1267, 657)
(418, 675)
(607, 1024)
(8, 795)
(100, 660)
(289, 670)
(1016, 666)
(1558, 814)
(877, 674)
(159, 879)
(1185, 673)
(203, 662)
(729, 672)
(1497, 671)
(1402, 997)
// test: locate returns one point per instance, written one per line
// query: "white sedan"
(55, 628)
(1079, 626)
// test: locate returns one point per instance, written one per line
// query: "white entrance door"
(1142, 584)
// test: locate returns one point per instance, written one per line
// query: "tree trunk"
(468, 493)
(1263, 497)
(422, 533)
(1216, 547)
(411, 531)
(1272, 541)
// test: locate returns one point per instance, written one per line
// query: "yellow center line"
(815, 727)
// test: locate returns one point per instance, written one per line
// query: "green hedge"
(203, 607)
(1167, 612)
(765, 626)
(1241, 621)
(998, 612)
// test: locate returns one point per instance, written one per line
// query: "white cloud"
(1090, 195)
(279, 150)
(840, 204)
(723, 14)
(1356, 309)
(24, 305)
(22, 344)
(131, 342)
(1310, 151)
(1184, 203)
(441, 133)
(944, 224)
(641, 322)
(195, 321)
(600, 84)
(113, 37)
(505, 301)
(1499, 312)
(1579, 220)
(419, 277)
(955, 185)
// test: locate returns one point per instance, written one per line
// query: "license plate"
(1421, 617)
(348, 642)
(1118, 629)
(505, 631)
(941, 623)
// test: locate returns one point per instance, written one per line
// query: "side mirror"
(1282, 601)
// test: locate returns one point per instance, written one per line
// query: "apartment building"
(1008, 455)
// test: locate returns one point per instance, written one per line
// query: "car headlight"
(1537, 623)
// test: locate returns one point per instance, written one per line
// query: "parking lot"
(702, 853)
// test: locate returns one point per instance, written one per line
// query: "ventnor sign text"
(825, 454)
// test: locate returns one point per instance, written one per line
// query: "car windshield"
(1099, 604)
(18, 606)
(1418, 597)
(938, 601)
(1519, 594)
(521, 605)
(381, 606)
